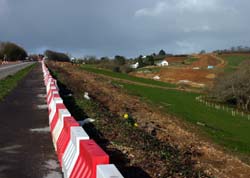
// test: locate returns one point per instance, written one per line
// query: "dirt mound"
(205, 60)
(174, 75)
(175, 59)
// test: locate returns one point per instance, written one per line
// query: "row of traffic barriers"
(78, 155)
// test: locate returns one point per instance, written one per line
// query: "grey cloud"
(130, 28)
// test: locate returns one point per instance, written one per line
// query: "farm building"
(135, 66)
(162, 63)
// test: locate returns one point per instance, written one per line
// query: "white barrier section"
(59, 125)
(72, 151)
(52, 107)
(108, 171)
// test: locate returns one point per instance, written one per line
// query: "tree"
(234, 88)
(56, 56)
(162, 52)
(12, 51)
(149, 60)
(202, 51)
(120, 60)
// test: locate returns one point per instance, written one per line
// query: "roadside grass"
(10, 82)
(230, 132)
(234, 61)
(126, 76)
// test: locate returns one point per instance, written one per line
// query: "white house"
(135, 66)
(162, 63)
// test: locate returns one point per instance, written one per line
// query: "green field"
(11, 81)
(233, 61)
(226, 130)
(126, 76)
(221, 126)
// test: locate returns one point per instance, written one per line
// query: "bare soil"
(198, 76)
(194, 154)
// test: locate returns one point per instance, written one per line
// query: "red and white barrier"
(89, 157)
(64, 138)
(73, 149)
(78, 156)
(108, 171)
(52, 107)
(59, 125)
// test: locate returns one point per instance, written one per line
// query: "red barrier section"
(90, 156)
(49, 96)
(64, 137)
(56, 116)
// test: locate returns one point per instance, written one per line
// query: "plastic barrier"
(90, 156)
(55, 118)
(64, 138)
(53, 91)
(52, 106)
(78, 156)
(62, 113)
(108, 171)
(72, 151)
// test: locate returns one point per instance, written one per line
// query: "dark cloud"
(130, 28)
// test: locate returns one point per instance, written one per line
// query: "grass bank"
(230, 132)
(10, 82)
(233, 61)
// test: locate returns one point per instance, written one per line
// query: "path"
(26, 153)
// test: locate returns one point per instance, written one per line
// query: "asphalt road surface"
(6, 70)
(26, 149)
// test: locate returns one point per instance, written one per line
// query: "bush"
(126, 69)
(116, 69)
(11, 52)
(234, 88)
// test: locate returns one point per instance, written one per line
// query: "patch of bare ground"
(185, 153)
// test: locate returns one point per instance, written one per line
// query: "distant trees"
(202, 51)
(56, 56)
(120, 60)
(234, 88)
(11, 51)
(162, 52)
(235, 49)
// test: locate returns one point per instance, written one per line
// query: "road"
(26, 149)
(6, 70)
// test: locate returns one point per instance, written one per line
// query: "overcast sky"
(125, 27)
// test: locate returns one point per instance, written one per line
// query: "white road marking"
(42, 106)
(41, 95)
(41, 130)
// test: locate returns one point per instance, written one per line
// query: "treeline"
(11, 52)
(234, 89)
(56, 56)
(234, 49)
(121, 63)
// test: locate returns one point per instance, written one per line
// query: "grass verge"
(10, 82)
